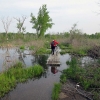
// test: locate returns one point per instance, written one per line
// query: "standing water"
(34, 89)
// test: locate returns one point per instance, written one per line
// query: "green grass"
(16, 74)
(80, 51)
(56, 91)
(43, 51)
(65, 46)
(63, 78)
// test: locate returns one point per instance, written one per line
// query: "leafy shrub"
(22, 47)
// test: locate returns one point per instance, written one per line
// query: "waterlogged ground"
(35, 89)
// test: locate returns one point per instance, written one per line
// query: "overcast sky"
(64, 14)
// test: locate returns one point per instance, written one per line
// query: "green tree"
(42, 22)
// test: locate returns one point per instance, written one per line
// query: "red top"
(55, 43)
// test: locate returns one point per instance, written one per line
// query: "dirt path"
(69, 91)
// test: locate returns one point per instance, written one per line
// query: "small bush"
(22, 47)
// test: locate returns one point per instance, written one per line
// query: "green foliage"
(42, 22)
(2, 37)
(96, 95)
(65, 46)
(63, 78)
(73, 70)
(31, 48)
(56, 91)
(16, 74)
(42, 51)
(68, 62)
(63, 52)
(88, 77)
(37, 70)
(22, 47)
(47, 35)
(62, 46)
(98, 61)
(47, 44)
(80, 51)
(86, 84)
(66, 34)
(94, 36)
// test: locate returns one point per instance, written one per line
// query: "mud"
(70, 91)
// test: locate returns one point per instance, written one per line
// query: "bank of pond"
(11, 77)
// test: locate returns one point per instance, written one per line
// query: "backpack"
(52, 43)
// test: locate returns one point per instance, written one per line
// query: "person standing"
(54, 43)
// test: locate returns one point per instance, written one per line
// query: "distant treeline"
(29, 36)
(32, 36)
(94, 36)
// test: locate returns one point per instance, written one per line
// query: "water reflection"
(41, 59)
(7, 58)
(54, 69)
(10, 56)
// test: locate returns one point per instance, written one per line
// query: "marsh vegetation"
(11, 77)
(75, 43)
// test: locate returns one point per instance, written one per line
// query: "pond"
(34, 89)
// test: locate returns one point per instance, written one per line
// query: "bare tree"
(20, 24)
(6, 23)
(74, 32)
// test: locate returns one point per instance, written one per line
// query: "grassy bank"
(87, 77)
(16, 74)
(56, 91)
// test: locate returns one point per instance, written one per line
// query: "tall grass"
(16, 74)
